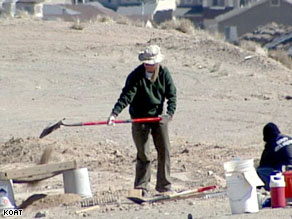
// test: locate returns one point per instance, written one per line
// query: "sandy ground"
(49, 71)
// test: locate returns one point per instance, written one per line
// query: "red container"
(288, 181)
(278, 199)
(277, 190)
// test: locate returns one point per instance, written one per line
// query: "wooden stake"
(135, 193)
(88, 209)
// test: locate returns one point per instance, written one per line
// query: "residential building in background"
(233, 18)
(157, 11)
(247, 19)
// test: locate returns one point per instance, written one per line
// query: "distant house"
(155, 10)
(115, 4)
(56, 2)
(279, 40)
(164, 10)
(8, 8)
(190, 9)
(73, 12)
(203, 12)
(283, 42)
(197, 11)
(246, 19)
(32, 7)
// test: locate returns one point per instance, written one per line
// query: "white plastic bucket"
(241, 180)
(7, 198)
(242, 196)
(77, 181)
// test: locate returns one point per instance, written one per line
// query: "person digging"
(146, 90)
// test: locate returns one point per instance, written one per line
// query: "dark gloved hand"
(165, 118)
(111, 119)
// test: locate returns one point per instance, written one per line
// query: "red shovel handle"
(139, 120)
(94, 123)
(151, 119)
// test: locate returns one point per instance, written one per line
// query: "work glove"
(165, 118)
(111, 119)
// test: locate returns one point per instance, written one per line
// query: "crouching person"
(276, 154)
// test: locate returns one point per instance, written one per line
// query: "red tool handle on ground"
(183, 194)
(206, 188)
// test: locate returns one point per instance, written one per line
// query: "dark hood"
(271, 132)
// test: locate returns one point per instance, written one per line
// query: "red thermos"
(288, 181)
(277, 190)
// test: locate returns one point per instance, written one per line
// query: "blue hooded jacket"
(278, 148)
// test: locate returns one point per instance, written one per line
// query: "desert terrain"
(49, 71)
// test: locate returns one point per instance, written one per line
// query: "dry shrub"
(253, 47)
(248, 45)
(77, 25)
(168, 25)
(182, 25)
(123, 20)
(104, 19)
(215, 35)
(5, 16)
(23, 14)
(18, 14)
(282, 57)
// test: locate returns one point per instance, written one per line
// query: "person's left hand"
(165, 118)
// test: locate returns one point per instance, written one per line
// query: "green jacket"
(146, 98)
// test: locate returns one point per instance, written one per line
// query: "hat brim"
(152, 60)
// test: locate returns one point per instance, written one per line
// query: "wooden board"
(36, 171)
(35, 178)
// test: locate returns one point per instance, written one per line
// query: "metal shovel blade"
(51, 128)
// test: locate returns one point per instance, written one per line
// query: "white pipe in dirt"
(77, 181)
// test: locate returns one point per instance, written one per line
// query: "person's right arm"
(127, 95)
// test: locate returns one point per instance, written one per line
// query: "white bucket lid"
(239, 165)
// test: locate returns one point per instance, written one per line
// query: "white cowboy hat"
(151, 55)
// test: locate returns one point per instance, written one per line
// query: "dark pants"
(141, 133)
(265, 173)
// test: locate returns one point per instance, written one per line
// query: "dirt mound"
(42, 201)
(21, 150)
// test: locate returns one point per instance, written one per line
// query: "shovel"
(57, 125)
(188, 193)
